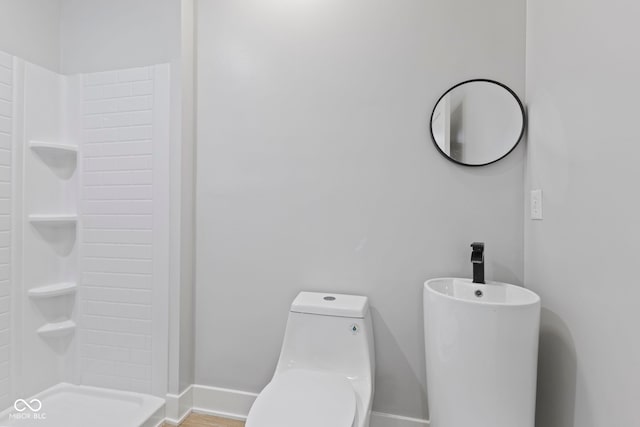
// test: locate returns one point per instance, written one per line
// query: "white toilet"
(325, 373)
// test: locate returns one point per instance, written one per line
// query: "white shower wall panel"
(124, 246)
(6, 135)
(43, 255)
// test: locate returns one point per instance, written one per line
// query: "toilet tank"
(329, 332)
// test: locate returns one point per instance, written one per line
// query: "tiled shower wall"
(6, 119)
(117, 229)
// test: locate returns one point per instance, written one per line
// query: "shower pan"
(83, 245)
(79, 406)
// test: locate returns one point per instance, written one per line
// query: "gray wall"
(584, 143)
(316, 171)
(30, 29)
(187, 147)
(80, 36)
(99, 35)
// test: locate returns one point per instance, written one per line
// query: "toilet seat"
(300, 397)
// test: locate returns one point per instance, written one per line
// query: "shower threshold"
(67, 405)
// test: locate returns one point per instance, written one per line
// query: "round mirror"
(477, 122)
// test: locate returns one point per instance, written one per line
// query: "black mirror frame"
(508, 89)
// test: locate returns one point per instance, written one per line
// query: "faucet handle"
(477, 253)
(477, 246)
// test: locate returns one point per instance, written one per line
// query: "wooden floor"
(197, 420)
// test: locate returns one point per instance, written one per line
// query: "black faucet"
(477, 259)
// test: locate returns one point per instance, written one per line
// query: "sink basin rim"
(532, 297)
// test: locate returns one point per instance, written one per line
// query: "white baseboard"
(235, 405)
(380, 419)
(223, 402)
(178, 407)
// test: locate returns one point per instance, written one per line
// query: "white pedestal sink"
(482, 353)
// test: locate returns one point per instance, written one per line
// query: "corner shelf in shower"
(48, 148)
(57, 329)
(54, 220)
(62, 159)
(53, 290)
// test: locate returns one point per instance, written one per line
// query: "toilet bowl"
(325, 373)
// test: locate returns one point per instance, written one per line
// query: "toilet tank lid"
(329, 304)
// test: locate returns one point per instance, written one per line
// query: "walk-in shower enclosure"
(84, 241)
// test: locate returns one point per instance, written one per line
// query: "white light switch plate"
(536, 204)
